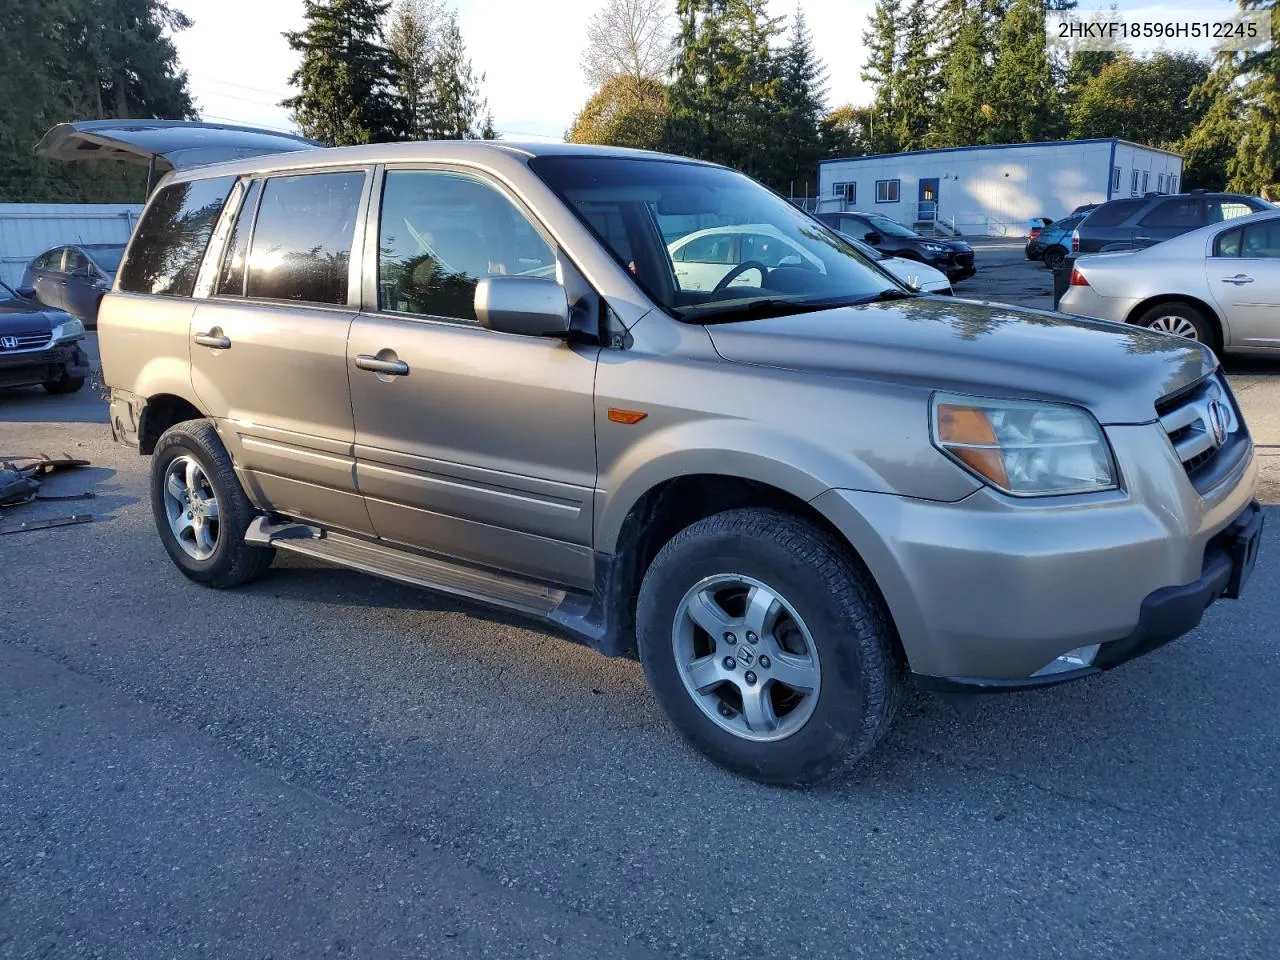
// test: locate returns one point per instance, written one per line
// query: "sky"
(239, 63)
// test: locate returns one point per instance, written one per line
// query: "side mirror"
(529, 306)
(873, 238)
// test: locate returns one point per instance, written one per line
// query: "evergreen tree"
(915, 81)
(1256, 166)
(880, 68)
(458, 111)
(1148, 100)
(1210, 147)
(846, 131)
(965, 111)
(1025, 99)
(346, 75)
(411, 38)
(801, 95)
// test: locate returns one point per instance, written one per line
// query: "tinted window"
(1227, 244)
(108, 258)
(1261, 240)
(50, 260)
(854, 226)
(302, 238)
(1220, 210)
(713, 248)
(231, 280)
(76, 262)
(440, 233)
(170, 241)
(1176, 214)
(1110, 214)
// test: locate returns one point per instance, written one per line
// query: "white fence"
(29, 229)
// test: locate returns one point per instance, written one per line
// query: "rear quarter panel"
(145, 344)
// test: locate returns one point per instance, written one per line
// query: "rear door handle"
(1238, 279)
(215, 340)
(396, 368)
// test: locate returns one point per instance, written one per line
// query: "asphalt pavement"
(325, 764)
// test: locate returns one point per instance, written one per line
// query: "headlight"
(1025, 448)
(68, 330)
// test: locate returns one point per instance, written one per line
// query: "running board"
(394, 563)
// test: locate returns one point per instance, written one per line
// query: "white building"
(996, 190)
(29, 229)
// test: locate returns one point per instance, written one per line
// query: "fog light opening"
(1076, 659)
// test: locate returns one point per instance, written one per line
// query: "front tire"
(63, 384)
(200, 509)
(768, 646)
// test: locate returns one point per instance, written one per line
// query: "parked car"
(952, 257)
(1053, 242)
(1142, 221)
(1219, 285)
(39, 345)
(74, 277)
(703, 258)
(468, 365)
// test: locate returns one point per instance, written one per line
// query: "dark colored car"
(39, 344)
(1137, 222)
(1053, 243)
(74, 277)
(952, 257)
(1084, 208)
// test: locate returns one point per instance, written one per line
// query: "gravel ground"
(324, 764)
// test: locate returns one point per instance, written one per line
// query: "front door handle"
(1238, 279)
(396, 368)
(214, 338)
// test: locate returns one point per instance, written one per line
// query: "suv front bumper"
(989, 591)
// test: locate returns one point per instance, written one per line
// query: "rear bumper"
(1082, 301)
(28, 369)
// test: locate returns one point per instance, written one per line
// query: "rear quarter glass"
(164, 257)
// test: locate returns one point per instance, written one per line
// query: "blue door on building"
(927, 207)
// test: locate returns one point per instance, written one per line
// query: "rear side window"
(1227, 244)
(1175, 214)
(713, 248)
(1261, 240)
(1220, 210)
(170, 241)
(1114, 213)
(301, 246)
(231, 281)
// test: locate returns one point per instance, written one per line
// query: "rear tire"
(1054, 257)
(1181, 320)
(823, 628)
(200, 509)
(63, 384)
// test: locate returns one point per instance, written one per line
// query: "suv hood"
(1116, 371)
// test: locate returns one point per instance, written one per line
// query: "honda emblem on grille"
(8, 342)
(1218, 420)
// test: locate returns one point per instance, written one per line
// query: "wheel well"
(1205, 310)
(162, 412)
(668, 508)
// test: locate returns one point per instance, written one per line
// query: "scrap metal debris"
(20, 484)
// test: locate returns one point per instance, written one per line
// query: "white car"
(704, 258)
(1219, 284)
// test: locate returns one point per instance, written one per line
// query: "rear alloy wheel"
(768, 646)
(1180, 320)
(1054, 257)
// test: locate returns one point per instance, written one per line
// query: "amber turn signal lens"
(618, 415)
(967, 435)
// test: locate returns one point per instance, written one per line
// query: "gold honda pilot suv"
(755, 459)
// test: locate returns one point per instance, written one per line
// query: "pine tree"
(1210, 147)
(880, 68)
(458, 111)
(801, 95)
(411, 38)
(846, 131)
(1026, 101)
(915, 81)
(345, 78)
(1256, 166)
(965, 111)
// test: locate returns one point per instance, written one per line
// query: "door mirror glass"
(529, 306)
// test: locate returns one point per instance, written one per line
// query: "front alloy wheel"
(746, 657)
(191, 506)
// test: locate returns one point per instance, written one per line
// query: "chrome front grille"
(25, 340)
(1206, 430)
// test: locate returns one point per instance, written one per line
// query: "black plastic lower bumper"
(28, 369)
(1165, 615)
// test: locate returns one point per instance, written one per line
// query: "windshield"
(890, 228)
(108, 258)
(709, 244)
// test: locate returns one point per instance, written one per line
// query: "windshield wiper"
(890, 293)
(759, 309)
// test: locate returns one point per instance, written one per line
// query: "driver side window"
(440, 233)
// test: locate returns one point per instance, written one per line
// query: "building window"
(1146, 180)
(1173, 183)
(847, 191)
(1160, 183)
(887, 191)
(837, 189)
(1115, 179)
(1133, 185)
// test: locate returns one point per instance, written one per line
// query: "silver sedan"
(1219, 285)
